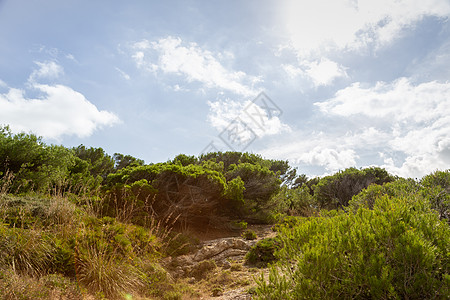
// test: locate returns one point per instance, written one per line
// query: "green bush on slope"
(398, 250)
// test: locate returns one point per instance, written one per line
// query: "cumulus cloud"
(415, 121)
(331, 159)
(405, 125)
(324, 72)
(321, 72)
(398, 101)
(318, 149)
(57, 112)
(172, 56)
(344, 24)
(261, 119)
(46, 70)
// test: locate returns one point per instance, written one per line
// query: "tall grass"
(51, 243)
(106, 274)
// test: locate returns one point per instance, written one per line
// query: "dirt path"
(217, 270)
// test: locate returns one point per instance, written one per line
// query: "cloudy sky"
(324, 84)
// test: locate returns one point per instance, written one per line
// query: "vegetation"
(393, 245)
(78, 223)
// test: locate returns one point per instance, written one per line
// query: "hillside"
(77, 223)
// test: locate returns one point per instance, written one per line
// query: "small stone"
(216, 292)
(226, 264)
(192, 280)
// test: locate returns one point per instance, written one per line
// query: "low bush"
(249, 235)
(263, 252)
(397, 250)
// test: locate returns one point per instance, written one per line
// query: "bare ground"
(217, 270)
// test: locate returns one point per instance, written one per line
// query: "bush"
(249, 235)
(398, 188)
(200, 270)
(335, 191)
(296, 201)
(436, 188)
(398, 250)
(263, 252)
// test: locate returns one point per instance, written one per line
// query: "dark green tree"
(122, 161)
(100, 163)
(335, 191)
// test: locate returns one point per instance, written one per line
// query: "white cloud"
(71, 57)
(399, 101)
(123, 74)
(318, 149)
(331, 159)
(292, 71)
(171, 56)
(59, 111)
(405, 125)
(342, 24)
(258, 118)
(46, 70)
(324, 72)
(321, 72)
(415, 118)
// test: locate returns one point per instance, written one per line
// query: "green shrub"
(398, 188)
(263, 252)
(249, 235)
(106, 273)
(200, 270)
(27, 251)
(335, 191)
(53, 286)
(398, 250)
(296, 201)
(240, 225)
(436, 188)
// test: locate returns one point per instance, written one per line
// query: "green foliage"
(202, 194)
(263, 252)
(176, 244)
(235, 191)
(123, 161)
(26, 251)
(436, 188)
(391, 242)
(200, 270)
(280, 168)
(398, 188)
(100, 163)
(240, 225)
(260, 183)
(35, 165)
(397, 250)
(296, 201)
(185, 160)
(19, 286)
(191, 193)
(249, 235)
(335, 191)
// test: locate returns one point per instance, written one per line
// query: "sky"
(324, 84)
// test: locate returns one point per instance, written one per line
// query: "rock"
(226, 264)
(216, 292)
(200, 270)
(192, 280)
(216, 247)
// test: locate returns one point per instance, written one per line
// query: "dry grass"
(18, 286)
(103, 273)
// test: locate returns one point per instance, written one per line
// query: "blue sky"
(345, 82)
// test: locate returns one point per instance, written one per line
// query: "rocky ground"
(217, 270)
